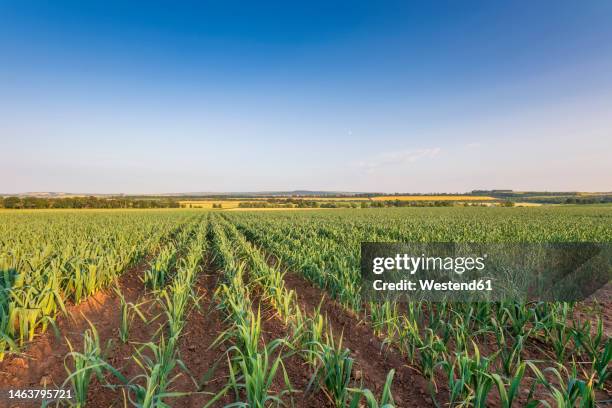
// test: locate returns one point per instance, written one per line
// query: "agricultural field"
(193, 308)
(225, 204)
(434, 198)
(232, 203)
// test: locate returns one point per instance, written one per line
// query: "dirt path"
(119, 355)
(204, 325)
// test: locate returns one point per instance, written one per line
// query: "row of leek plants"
(41, 275)
(157, 359)
(310, 336)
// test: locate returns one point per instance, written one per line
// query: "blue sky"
(428, 96)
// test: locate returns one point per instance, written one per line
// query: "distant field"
(231, 203)
(234, 205)
(313, 198)
(225, 204)
(434, 198)
(402, 198)
(528, 204)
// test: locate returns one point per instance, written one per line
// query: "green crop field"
(156, 308)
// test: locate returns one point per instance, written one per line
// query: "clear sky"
(428, 96)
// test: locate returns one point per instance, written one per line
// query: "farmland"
(207, 203)
(313, 201)
(188, 307)
(433, 198)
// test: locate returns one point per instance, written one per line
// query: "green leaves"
(48, 259)
(161, 267)
(566, 390)
(509, 391)
(334, 371)
(386, 399)
(53, 259)
(324, 247)
(84, 365)
(601, 364)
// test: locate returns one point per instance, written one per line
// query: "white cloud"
(399, 157)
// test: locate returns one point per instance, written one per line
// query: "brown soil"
(42, 362)
(119, 355)
(203, 326)
(207, 365)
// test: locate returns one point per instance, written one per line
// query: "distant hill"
(501, 194)
(54, 194)
(264, 193)
(301, 193)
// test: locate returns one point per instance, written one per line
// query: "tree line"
(297, 203)
(84, 202)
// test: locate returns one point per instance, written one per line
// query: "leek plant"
(127, 308)
(50, 259)
(386, 398)
(334, 371)
(84, 365)
(469, 381)
(157, 369)
(508, 389)
(155, 277)
(567, 391)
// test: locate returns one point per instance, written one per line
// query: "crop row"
(49, 262)
(157, 359)
(441, 340)
(308, 336)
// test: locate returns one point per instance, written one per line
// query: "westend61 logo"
(412, 264)
(481, 272)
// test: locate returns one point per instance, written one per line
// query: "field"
(229, 203)
(434, 198)
(225, 204)
(192, 308)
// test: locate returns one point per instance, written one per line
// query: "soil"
(204, 324)
(207, 365)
